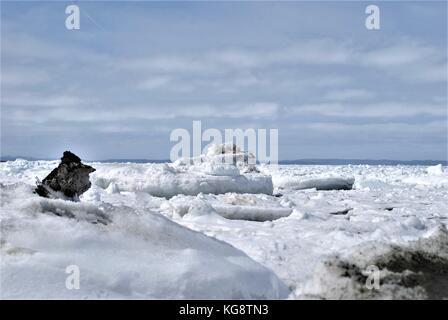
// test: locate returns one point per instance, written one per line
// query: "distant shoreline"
(281, 162)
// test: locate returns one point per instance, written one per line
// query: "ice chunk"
(167, 181)
(230, 206)
(435, 170)
(112, 188)
(319, 183)
(223, 153)
(252, 213)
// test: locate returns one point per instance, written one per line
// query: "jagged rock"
(69, 180)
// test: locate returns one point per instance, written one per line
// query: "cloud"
(154, 82)
(348, 94)
(84, 111)
(403, 56)
(21, 76)
(409, 61)
(387, 129)
(212, 61)
(399, 54)
(27, 100)
(436, 72)
(125, 81)
(370, 110)
(30, 49)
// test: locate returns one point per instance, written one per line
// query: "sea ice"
(131, 243)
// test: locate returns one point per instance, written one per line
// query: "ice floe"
(168, 180)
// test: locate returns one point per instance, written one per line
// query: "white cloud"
(154, 82)
(362, 110)
(399, 54)
(309, 52)
(388, 128)
(85, 112)
(348, 94)
(27, 100)
(20, 76)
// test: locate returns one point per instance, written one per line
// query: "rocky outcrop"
(68, 181)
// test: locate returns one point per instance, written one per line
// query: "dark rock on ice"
(69, 180)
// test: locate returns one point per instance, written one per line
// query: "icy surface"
(169, 180)
(129, 244)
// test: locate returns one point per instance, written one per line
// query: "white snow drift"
(120, 254)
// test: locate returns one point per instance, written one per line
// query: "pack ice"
(134, 239)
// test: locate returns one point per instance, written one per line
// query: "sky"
(135, 71)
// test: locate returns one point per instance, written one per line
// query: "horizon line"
(282, 161)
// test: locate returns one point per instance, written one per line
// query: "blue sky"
(135, 71)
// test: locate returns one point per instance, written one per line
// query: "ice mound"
(182, 177)
(135, 256)
(252, 207)
(299, 178)
(418, 270)
(309, 182)
(224, 154)
(324, 183)
(435, 176)
(435, 170)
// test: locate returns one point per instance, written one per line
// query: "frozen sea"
(206, 231)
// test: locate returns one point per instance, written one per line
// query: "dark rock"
(70, 179)
(278, 195)
(68, 157)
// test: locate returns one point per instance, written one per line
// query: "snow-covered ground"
(213, 231)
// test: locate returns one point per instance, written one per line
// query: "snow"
(435, 170)
(284, 178)
(169, 180)
(231, 206)
(121, 253)
(152, 231)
